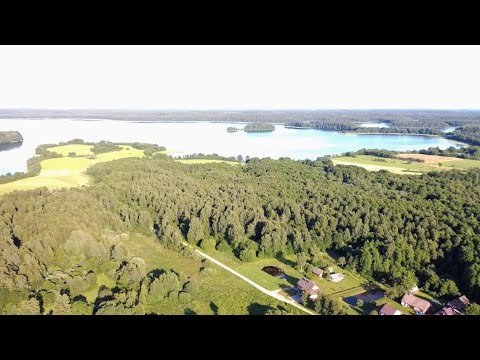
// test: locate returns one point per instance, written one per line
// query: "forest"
(259, 127)
(10, 137)
(395, 229)
(469, 134)
(396, 118)
(10, 140)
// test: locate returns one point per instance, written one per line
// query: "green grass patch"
(79, 149)
(403, 309)
(220, 291)
(92, 292)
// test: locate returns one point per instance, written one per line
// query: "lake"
(200, 137)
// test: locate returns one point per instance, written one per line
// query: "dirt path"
(275, 294)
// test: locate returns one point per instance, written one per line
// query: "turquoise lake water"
(201, 137)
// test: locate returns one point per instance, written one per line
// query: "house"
(336, 277)
(459, 304)
(414, 289)
(309, 287)
(447, 311)
(418, 305)
(317, 271)
(388, 310)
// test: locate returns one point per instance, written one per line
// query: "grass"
(399, 166)
(92, 292)
(220, 291)
(206, 161)
(403, 309)
(353, 283)
(68, 171)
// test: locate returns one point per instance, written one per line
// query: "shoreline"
(396, 134)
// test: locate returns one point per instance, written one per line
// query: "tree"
(301, 261)
(195, 231)
(373, 312)
(208, 244)
(360, 303)
(448, 288)
(132, 273)
(61, 306)
(304, 298)
(27, 307)
(247, 255)
(472, 309)
(342, 261)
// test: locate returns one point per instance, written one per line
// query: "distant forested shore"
(425, 122)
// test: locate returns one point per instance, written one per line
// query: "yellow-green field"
(403, 166)
(68, 171)
(78, 149)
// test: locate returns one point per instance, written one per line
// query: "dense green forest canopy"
(10, 137)
(469, 134)
(399, 230)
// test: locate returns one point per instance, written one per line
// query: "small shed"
(336, 277)
(388, 310)
(317, 271)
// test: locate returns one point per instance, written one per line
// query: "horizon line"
(236, 109)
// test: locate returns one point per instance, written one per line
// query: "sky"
(240, 77)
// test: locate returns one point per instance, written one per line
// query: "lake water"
(200, 137)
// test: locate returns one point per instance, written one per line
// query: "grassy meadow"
(403, 166)
(220, 291)
(68, 171)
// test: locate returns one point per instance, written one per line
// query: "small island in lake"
(259, 127)
(10, 139)
(232, 129)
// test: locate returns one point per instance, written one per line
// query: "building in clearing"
(388, 310)
(459, 304)
(418, 305)
(308, 286)
(317, 271)
(447, 311)
(336, 277)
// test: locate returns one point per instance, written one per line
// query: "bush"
(208, 244)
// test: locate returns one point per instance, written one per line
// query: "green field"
(68, 171)
(400, 166)
(78, 149)
(353, 283)
(91, 293)
(218, 290)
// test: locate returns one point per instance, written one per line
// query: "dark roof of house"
(306, 285)
(317, 271)
(415, 302)
(387, 310)
(446, 311)
(460, 303)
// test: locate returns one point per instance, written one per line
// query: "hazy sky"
(240, 77)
